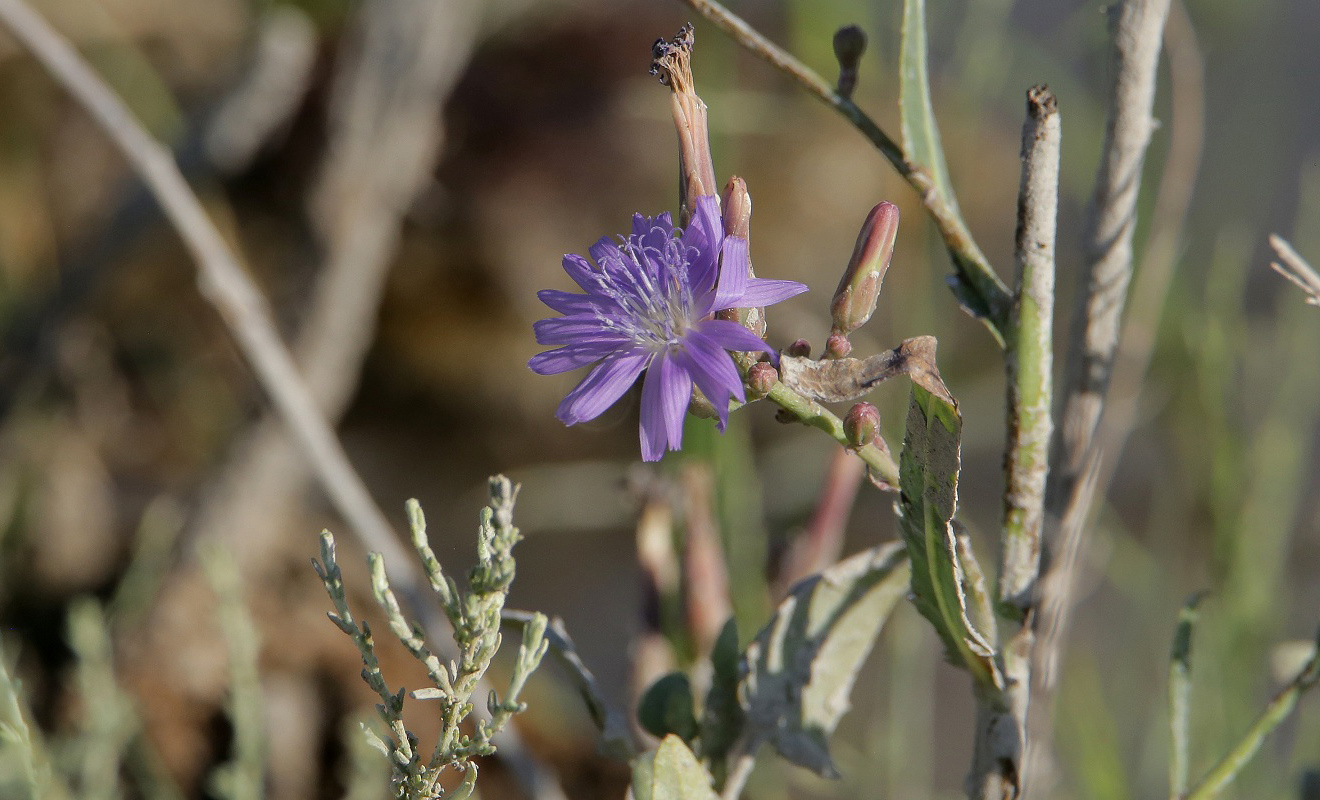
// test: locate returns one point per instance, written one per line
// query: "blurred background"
(401, 177)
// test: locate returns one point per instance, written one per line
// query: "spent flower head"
(647, 305)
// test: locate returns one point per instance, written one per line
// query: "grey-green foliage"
(475, 616)
(243, 776)
(25, 768)
(109, 723)
(671, 772)
(799, 671)
(108, 740)
(928, 498)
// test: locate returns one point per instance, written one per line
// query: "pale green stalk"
(809, 412)
(1029, 356)
(1180, 689)
(1278, 709)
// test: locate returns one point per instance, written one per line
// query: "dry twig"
(1138, 26)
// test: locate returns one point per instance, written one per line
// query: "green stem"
(1223, 773)
(1180, 689)
(809, 412)
(1029, 356)
(972, 266)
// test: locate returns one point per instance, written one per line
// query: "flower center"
(651, 286)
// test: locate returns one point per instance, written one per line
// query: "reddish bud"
(849, 45)
(855, 299)
(800, 349)
(761, 378)
(737, 206)
(837, 346)
(861, 424)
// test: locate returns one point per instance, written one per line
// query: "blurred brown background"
(402, 177)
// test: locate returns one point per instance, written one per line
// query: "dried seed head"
(672, 62)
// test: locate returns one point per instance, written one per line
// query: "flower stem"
(807, 411)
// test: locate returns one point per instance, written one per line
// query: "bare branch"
(222, 279)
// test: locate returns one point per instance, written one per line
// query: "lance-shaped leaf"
(671, 772)
(722, 718)
(928, 497)
(921, 136)
(800, 669)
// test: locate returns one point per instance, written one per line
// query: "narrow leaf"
(722, 717)
(800, 669)
(928, 498)
(671, 772)
(921, 136)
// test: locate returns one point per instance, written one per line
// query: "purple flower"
(647, 306)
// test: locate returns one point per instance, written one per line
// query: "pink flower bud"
(761, 378)
(837, 346)
(800, 349)
(861, 424)
(737, 208)
(855, 299)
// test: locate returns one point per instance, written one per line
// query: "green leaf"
(722, 718)
(921, 136)
(671, 772)
(800, 669)
(928, 498)
(666, 707)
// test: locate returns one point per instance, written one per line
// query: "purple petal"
(581, 271)
(665, 395)
(732, 336)
(713, 371)
(643, 225)
(701, 238)
(563, 359)
(570, 330)
(760, 293)
(570, 302)
(705, 228)
(735, 264)
(606, 252)
(602, 387)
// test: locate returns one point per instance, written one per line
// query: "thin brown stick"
(971, 264)
(222, 281)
